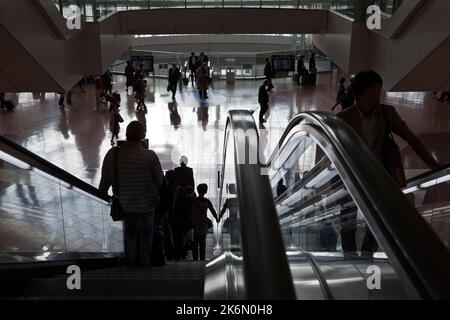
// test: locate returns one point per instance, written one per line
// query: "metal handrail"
(266, 269)
(429, 175)
(422, 262)
(28, 157)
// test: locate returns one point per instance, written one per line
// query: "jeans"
(138, 236)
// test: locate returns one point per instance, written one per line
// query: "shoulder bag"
(117, 213)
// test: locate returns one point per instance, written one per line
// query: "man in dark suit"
(185, 175)
(376, 123)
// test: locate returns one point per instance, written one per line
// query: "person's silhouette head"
(366, 87)
(202, 189)
(183, 160)
(135, 131)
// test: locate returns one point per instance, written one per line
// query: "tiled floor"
(78, 137)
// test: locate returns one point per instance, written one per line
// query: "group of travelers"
(199, 72)
(135, 78)
(164, 218)
(306, 77)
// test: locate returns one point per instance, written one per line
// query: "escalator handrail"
(266, 269)
(423, 262)
(13, 149)
(428, 176)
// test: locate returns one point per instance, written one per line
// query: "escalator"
(50, 220)
(345, 229)
(300, 239)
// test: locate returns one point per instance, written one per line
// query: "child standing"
(200, 221)
(114, 122)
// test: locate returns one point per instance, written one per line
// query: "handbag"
(117, 213)
(391, 154)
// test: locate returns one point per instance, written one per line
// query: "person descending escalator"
(200, 221)
(181, 220)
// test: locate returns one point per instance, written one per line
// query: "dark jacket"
(174, 75)
(390, 122)
(193, 63)
(140, 177)
(263, 96)
(185, 176)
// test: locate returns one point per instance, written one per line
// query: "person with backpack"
(200, 221)
(135, 175)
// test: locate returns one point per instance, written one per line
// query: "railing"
(253, 216)
(96, 10)
(45, 210)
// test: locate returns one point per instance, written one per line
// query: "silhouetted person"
(341, 94)
(376, 123)
(200, 221)
(185, 175)
(281, 188)
(312, 63)
(139, 179)
(107, 83)
(174, 77)
(263, 100)
(193, 65)
(129, 74)
(203, 80)
(268, 70)
(181, 219)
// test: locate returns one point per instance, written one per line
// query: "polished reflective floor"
(77, 137)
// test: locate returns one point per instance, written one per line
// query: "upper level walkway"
(97, 10)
